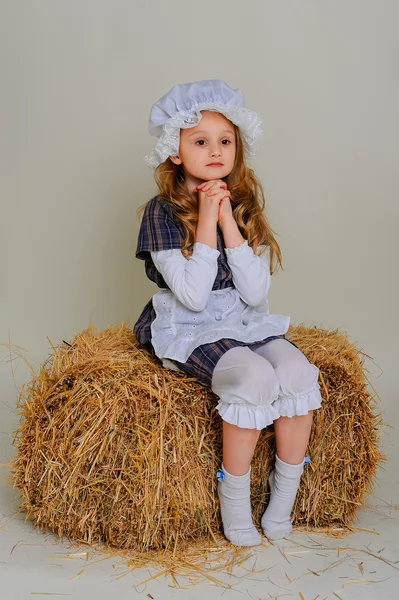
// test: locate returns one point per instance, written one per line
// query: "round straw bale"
(114, 448)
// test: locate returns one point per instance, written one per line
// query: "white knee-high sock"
(284, 483)
(235, 506)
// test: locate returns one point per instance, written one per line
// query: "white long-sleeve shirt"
(191, 280)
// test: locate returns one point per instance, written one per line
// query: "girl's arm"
(191, 280)
(251, 273)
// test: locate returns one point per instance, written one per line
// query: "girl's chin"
(208, 176)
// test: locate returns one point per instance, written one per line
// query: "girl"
(204, 240)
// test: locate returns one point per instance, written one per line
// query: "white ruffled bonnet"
(181, 108)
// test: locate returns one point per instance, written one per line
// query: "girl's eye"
(203, 142)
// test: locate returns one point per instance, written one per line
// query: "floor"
(307, 566)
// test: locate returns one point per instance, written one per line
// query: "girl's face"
(207, 151)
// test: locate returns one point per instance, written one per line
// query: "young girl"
(207, 244)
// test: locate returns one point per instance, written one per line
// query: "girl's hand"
(210, 195)
(213, 188)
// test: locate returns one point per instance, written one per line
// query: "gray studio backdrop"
(78, 79)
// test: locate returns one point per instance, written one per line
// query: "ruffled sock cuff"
(247, 416)
(292, 406)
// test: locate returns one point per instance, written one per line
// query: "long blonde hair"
(247, 201)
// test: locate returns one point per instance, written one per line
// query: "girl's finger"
(215, 189)
(208, 186)
(223, 194)
(216, 183)
(219, 196)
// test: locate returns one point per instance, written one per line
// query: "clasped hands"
(214, 201)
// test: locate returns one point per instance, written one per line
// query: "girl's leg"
(299, 394)
(238, 448)
(234, 491)
(247, 387)
(292, 437)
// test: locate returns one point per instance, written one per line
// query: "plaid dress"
(161, 230)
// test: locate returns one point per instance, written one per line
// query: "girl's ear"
(176, 160)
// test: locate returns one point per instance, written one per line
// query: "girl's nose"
(214, 151)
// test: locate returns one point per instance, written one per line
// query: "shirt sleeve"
(191, 280)
(159, 229)
(251, 273)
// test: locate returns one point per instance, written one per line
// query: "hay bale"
(113, 448)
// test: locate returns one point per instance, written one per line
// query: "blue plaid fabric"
(161, 230)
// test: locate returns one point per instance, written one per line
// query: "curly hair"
(247, 201)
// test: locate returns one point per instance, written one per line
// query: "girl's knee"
(246, 378)
(297, 376)
(262, 384)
